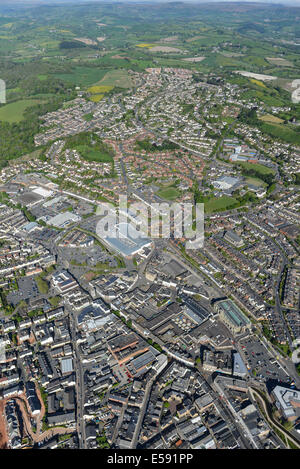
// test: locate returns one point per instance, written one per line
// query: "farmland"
(83, 76)
(96, 89)
(272, 119)
(96, 97)
(279, 61)
(119, 78)
(14, 112)
(39, 57)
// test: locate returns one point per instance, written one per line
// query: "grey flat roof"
(128, 240)
(66, 365)
(239, 367)
(142, 360)
(63, 219)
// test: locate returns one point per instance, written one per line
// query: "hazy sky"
(49, 2)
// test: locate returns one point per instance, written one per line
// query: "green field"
(168, 193)
(96, 97)
(269, 100)
(99, 89)
(119, 78)
(94, 155)
(283, 132)
(86, 76)
(255, 182)
(257, 167)
(216, 204)
(83, 76)
(271, 119)
(14, 112)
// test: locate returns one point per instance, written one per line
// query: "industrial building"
(226, 183)
(126, 240)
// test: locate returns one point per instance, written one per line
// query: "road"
(278, 307)
(142, 413)
(79, 385)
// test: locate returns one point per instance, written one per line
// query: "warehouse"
(126, 240)
(63, 219)
(226, 183)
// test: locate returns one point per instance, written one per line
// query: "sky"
(49, 2)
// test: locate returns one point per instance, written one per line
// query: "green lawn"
(256, 182)
(94, 155)
(54, 301)
(42, 285)
(168, 193)
(215, 204)
(14, 112)
(257, 167)
(42, 77)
